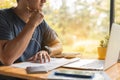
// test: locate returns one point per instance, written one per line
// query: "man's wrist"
(46, 48)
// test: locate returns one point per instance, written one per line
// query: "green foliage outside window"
(7, 3)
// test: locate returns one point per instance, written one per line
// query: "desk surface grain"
(21, 73)
(113, 72)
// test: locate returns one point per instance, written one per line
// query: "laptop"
(119, 58)
(111, 55)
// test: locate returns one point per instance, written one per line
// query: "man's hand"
(41, 56)
(36, 18)
(35, 9)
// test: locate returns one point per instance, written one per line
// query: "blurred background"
(80, 24)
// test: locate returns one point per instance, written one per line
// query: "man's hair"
(17, 0)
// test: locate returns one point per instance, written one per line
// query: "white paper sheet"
(53, 61)
(33, 64)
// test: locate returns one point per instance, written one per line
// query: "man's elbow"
(6, 61)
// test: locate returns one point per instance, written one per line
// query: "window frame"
(112, 12)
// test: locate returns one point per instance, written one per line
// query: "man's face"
(36, 4)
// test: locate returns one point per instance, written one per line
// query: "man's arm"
(55, 47)
(11, 50)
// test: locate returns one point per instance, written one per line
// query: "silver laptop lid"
(113, 47)
(119, 58)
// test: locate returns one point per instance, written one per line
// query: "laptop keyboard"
(94, 64)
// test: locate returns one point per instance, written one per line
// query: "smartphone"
(75, 73)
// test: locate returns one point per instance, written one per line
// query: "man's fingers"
(35, 58)
(48, 57)
(40, 57)
(44, 57)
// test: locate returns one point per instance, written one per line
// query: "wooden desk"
(113, 72)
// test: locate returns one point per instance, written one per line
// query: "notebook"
(111, 55)
(36, 67)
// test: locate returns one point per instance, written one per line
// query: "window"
(7, 3)
(117, 11)
(81, 24)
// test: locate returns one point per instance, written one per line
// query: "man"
(24, 34)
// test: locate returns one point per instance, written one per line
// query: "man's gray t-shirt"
(10, 27)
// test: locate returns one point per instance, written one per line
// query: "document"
(53, 62)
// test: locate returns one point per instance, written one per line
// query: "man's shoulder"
(5, 12)
(2, 11)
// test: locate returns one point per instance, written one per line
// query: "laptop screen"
(113, 46)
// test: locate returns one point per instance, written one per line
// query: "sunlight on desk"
(113, 72)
